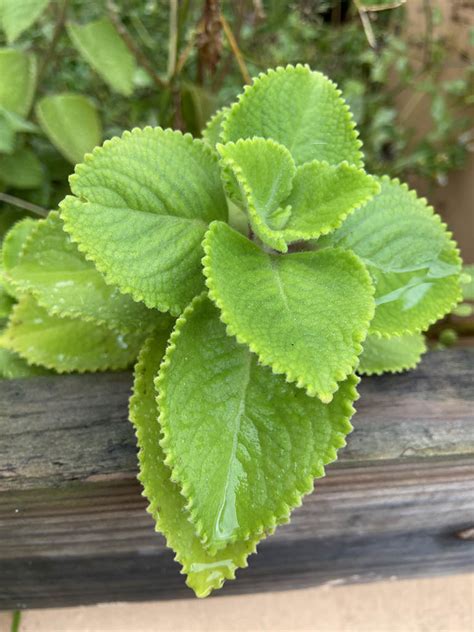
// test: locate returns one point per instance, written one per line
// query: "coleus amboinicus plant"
(259, 269)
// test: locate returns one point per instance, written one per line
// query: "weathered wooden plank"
(60, 429)
(73, 527)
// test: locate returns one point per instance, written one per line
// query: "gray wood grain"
(73, 527)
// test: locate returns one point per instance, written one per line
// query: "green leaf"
(12, 247)
(286, 204)
(67, 344)
(21, 170)
(408, 251)
(167, 505)
(6, 301)
(211, 133)
(12, 366)
(468, 282)
(18, 15)
(71, 123)
(300, 109)
(304, 314)
(391, 355)
(65, 284)
(243, 445)
(260, 172)
(103, 48)
(17, 79)
(146, 200)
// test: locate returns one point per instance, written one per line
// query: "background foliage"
(155, 62)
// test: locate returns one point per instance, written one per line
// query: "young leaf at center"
(304, 314)
(243, 444)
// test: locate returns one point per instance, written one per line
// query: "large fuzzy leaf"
(204, 572)
(65, 284)
(409, 253)
(300, 109)
(18, 15)
(304, 314)
(211, 133)
(103, 48)
(17, 80)
(233, 427)
(286, 204)
(72, 124)
(67, 344)
(391, 355)
(146, 200)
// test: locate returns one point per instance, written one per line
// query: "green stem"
(23, 204)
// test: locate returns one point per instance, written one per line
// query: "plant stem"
(23, 204)
(141, 58)
(364, 18)
(58, 29)
(173, 39)
(235, 49)
(16, 618)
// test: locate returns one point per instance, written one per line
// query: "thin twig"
(130, 44)
(173, 38)
(383, 7)
(235, 49)
(23, 204)
(364, 18)
(58, 29)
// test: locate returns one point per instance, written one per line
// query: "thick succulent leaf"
(12, 248)
(17, 79)
(72, 124)
(211, 133)
(18, 15)
(66, 284)
(409, 253)
(67, 344)
(21, 169)
(233, 427)
(204, 572)
(146, 200)
(103, 48)
(259, 172)
(300, 109)
(12, 366)
(391, 355)
(304, 314)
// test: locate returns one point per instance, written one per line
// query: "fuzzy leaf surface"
(17, 79)
(12, 248)
(12, 366)
(211, 133)
(146, 200)
(204, 572)
(304, 314)
(72, 124)
(233, 427)
(18, 15)
(286, 204)
(391, 355)
(103, 48)
(260, 173)
(66, 284)
(67, 344)
(300, 109)
(410, 255)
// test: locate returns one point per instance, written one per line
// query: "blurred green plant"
(73, 73)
